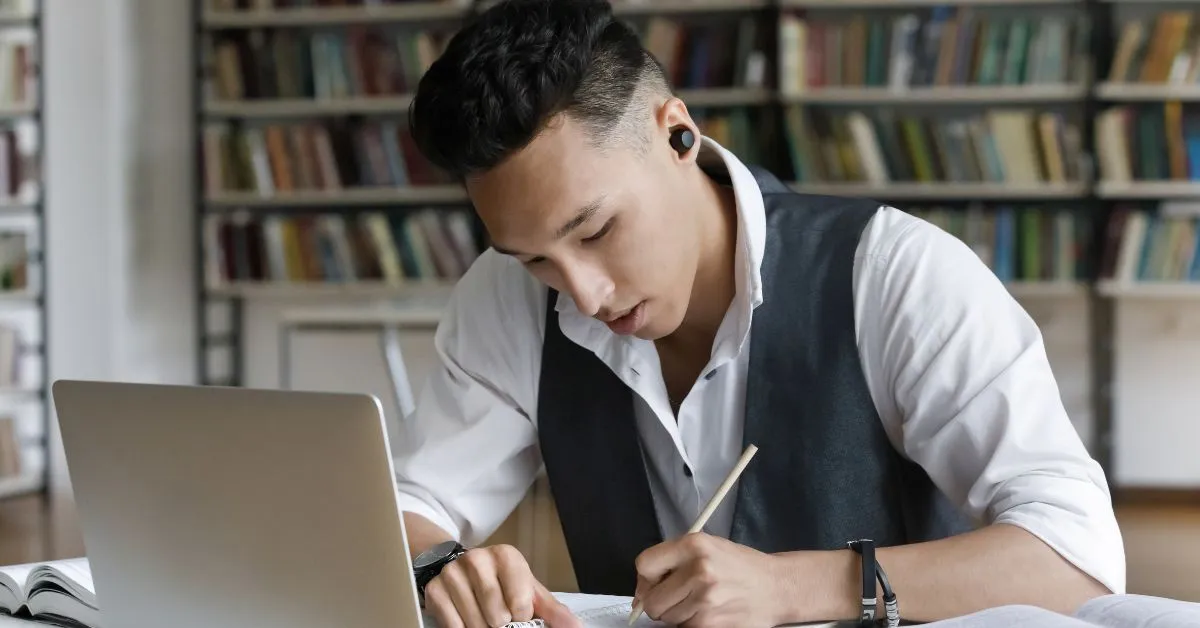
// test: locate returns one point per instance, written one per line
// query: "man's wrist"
(823, 585)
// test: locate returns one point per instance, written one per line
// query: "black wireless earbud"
(682, 139)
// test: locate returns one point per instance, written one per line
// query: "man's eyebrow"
(500, 249)
(582, 216)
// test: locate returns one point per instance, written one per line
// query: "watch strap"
(870, 601)
(425, 575)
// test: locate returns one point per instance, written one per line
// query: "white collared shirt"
(956, 368)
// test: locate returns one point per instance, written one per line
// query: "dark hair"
(518, 64)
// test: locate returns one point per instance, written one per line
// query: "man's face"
(602, 225)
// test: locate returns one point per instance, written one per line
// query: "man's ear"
(676, 130)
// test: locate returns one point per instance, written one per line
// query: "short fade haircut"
(507, 73)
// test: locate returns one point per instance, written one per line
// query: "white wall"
(119, 177)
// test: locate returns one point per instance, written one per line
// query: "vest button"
(709, 375)
(687, 470)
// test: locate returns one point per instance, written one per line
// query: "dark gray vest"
(825, 472)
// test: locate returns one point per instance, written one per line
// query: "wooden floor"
(1162, 542)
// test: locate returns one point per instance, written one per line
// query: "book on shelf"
(18, 7)
(18, 65)
(14, 260)
(358, 60)
(20, 170)
(10, 449)
(267, 5)
(748, 132)
(416, 246)
(1154, 244)
(1149, 142)
(56, 592)
(1021, 243)
(1019, 146)
(944, 46)
(696, 55)
(10, 354)
(276, 158)
(1159, 49)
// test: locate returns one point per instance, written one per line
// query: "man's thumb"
(556, 614)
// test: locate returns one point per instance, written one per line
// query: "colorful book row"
(1024, 243)
(333, 155)
(1153, 244)
(357, 61)
(1149, 142)
(1164, 48)
(422, 245)
(1000, 145)
(946, 46)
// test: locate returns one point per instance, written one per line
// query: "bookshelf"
(281, 172)
(24, 371)
(1034, 117)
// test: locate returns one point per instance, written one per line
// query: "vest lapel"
(589, 439)
(822, 449)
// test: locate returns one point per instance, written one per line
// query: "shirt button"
(687, 470)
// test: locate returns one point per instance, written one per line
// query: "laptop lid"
(239, 508)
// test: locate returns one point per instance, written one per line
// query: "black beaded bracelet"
(872, 570)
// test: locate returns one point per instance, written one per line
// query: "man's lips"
(613, 317)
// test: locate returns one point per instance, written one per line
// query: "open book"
(56, 592)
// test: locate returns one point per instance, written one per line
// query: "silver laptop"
(205, 507)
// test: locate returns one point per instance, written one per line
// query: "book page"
(12, 585)
(72, 575)
(615, 616)
(1139, 611)
(1010, 617)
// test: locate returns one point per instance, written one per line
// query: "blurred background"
(224, 192)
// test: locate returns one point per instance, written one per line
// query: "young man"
(651, 305)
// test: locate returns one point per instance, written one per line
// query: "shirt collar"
(751, 219)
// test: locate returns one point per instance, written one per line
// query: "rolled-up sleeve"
(960, 374)
(467, 454)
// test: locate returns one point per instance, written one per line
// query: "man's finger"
(660, 600)
(555, 613)
(481, 572)
(459, 586)
(655, 562)
(516, 582)
(439, 604)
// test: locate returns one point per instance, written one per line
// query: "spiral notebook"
(597, 611)
(607, 611)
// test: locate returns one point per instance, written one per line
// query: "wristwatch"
(429, 564)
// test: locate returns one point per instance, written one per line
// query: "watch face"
(434, 554)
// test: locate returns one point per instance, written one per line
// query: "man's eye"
(599, 234)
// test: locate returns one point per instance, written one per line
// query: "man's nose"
(588, 286)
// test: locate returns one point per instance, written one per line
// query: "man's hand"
(701, 580)
(489, 587)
